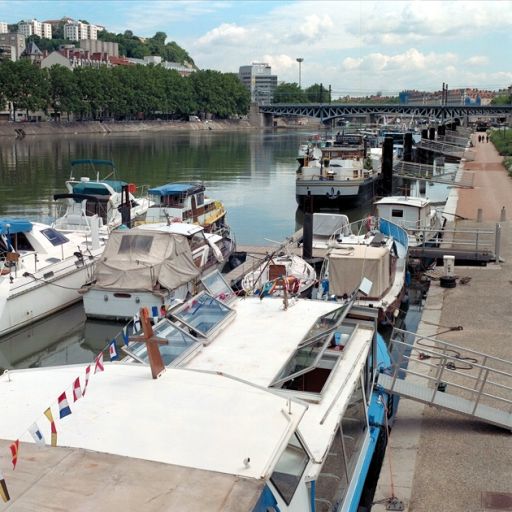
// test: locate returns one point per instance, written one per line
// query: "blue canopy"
(13, 226)
(175, 188)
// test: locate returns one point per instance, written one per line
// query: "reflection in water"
(253, 173)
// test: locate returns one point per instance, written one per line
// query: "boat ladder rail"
(450, 377)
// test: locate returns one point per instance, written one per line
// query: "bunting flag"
(155, 314)
(98, 367)
(36, 434)
(49, 415)
(126, 338)
(15, 448)
(64, 409)
(4, 493)
(77, 390)
(137, 326)
(87, 375)
(112, 351)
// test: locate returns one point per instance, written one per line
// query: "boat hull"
(336, 193)
(33, 300)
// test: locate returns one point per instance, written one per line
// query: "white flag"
(36, 434)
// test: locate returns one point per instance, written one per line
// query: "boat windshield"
(203, 314)
(179, 344)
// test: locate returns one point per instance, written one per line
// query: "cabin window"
(179, 344)
(332, 482)
(354, 425)
(197, 240)
(54, 237)
(397, 213)
(200, 198)
(309, 368)
(135, 243)
(289, 469)
(20, 242)
(203, 314)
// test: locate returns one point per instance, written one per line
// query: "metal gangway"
(441, 147)
(432, 173)
(450, 377)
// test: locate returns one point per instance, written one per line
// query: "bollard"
(503, 216)
(479, 215)
(497, 243)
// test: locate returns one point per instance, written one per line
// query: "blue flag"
(112, 350)
(125, 335)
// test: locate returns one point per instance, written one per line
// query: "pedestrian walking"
(487, 138)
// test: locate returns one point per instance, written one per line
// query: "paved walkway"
(441, 461)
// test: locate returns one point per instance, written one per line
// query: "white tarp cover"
(348, 266)
(139, 260)
(325, 224)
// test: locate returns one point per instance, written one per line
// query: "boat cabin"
(408, 212)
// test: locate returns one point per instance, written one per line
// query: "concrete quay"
(437, 460)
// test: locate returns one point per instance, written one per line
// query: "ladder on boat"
(450, 377)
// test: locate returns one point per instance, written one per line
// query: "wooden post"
(155, 358)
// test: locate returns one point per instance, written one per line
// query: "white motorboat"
(278, 271)
(44, 268)
(374, 250)
(259, 407)
(423, 222)
(152, 265)
(105, 197)
(186, 202)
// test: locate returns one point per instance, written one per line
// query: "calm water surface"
(253, 173)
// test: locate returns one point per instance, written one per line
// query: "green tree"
(23, 85)
(63, 90)
(502, 99)
(289, 93)
(317, 93)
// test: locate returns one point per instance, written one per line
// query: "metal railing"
(448, 368)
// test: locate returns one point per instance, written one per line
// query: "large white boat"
(105, 197)
(152, 265)
(186, 202)
(261, 406)
(346, 174)
(45, 269)
(374, 250)
(422, 221)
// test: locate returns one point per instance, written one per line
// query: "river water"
(253, 173)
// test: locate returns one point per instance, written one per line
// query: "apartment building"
(98, 46)
(34, 27)
(77, 31)
(12, 45)
(3, 27)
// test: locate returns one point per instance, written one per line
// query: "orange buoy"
(132, 188)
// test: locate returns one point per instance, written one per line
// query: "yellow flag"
(4, 493)
(49, 415)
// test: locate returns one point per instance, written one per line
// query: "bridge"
(441, 113)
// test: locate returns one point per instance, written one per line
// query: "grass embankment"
(502, 140)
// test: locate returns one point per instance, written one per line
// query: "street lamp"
(300, 60)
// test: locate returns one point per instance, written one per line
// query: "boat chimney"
(95, 232)
(387, 166)
(307, 237)
(155, 358)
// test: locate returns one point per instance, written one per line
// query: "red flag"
(15, 447)
(87, 375)
(98, 367)
(77, 390)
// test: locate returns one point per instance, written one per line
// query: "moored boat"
(423, 222)
(186, 202)
(260, 406)
(278, 271)
(105, 197)
(45, 269)
(345, 175)
(152, 265)
(373, 250)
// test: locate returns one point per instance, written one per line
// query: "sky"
(357, 47)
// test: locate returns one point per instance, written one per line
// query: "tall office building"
(258, 78)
